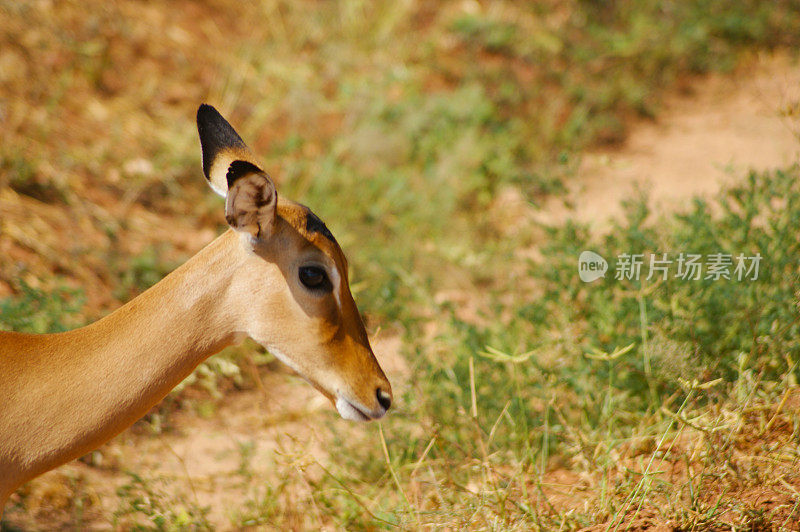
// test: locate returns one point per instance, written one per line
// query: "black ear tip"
(206, 113)
(216, 135)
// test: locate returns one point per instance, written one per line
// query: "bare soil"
(707, 134)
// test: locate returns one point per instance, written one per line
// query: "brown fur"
(62, 395)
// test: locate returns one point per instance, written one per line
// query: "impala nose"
(384, 398)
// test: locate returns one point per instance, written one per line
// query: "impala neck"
(73, 391)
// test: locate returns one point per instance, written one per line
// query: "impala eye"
(314, 278)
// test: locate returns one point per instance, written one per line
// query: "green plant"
(145, 507)
(34, 310)
(140, 272)
(690, 325)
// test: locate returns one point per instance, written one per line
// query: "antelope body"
(277, 276)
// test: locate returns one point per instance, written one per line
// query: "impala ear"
(252, 200)
(221, 146)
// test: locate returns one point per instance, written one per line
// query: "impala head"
(293, 291)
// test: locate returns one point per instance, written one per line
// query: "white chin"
(348, 411)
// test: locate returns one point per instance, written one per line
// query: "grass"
(158, 509)
(535, 401)
(618, 380)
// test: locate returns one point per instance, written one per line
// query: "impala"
(277, 276)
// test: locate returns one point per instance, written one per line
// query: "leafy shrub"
(713, 320)
(34, 310)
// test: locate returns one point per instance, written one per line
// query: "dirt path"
(723, 126)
